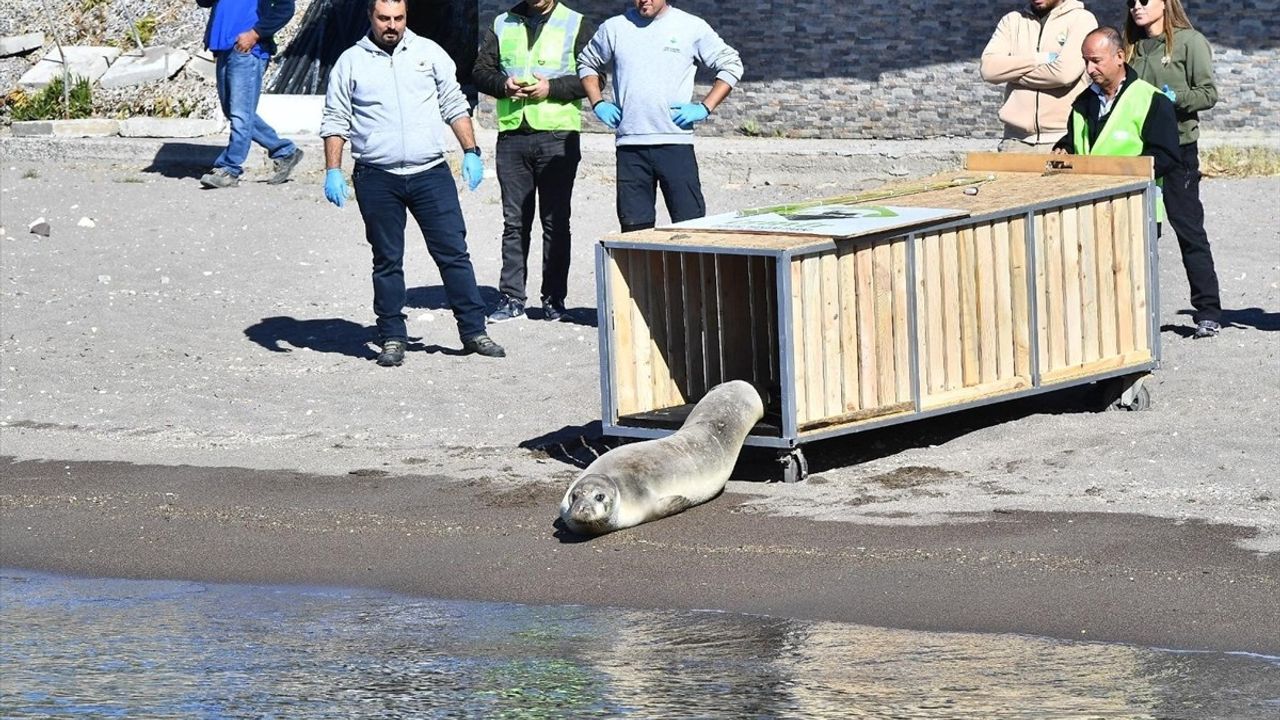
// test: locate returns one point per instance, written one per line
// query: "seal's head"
(588, 508)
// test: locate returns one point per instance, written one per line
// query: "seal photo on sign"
(649, 480)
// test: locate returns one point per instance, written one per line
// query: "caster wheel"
(794, 466)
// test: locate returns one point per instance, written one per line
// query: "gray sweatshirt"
(654, 63)
(390, 106)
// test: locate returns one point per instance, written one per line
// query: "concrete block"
(154, 63)
(292, 114)
(204, 65)
(91, 127)
(89, 62)
(151, 127)
(19, 44)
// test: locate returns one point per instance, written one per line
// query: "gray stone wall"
(902, 69)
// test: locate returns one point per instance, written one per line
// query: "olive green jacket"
(1188, 72)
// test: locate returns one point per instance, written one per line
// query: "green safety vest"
(551, 56)
(1121, 134)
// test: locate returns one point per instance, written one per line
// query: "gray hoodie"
(390, 106)
(654, 63)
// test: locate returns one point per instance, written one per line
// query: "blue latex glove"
(1051, 57)
(684, 116)
(1169, 93)
(608, 113)
(335, 186)
(472, 170)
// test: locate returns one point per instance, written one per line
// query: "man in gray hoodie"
(388, 94)
(653, 49)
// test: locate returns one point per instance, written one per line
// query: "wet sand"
(1098, 577)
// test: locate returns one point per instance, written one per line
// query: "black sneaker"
(392, 353)
(508, 308)
(219, 178)
(484, 345)
(1206, 329)
(553, 309)
(283, 166)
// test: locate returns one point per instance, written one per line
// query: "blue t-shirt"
(230, 18)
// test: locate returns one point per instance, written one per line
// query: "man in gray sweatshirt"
(653, 49)
(388, 95)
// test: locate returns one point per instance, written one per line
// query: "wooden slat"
(713, 351)
(868, 389)
(677, 356)
(847, 267)
(832, 372)
(984, 241)
(1054, 296)
(935, 339)
(1123, 279)
(1104, 231)
(774, 333)
(694, 327)
(885, 377)
(801, 371)
(1018, 270)
(656, 315)
(1140, 166)
(735, 316)
(1071, 284)
(1088, 285)
(641, 335)
(857, 417)
(1114, 362)
(968, 308)
(1004, 298)
(901, 329)
(1138, 220)
(977, 392)
(622, 350)
(953, 348)
(814, 391)
(1041, 268)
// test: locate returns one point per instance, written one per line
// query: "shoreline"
(1092, 577)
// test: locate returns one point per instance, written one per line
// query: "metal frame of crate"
(848, 334)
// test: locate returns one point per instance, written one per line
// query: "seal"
(648, 480)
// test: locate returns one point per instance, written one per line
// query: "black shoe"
(553, 309)
(483, 345)
(1206, 329)
(508, 308)
(284, 166)
(392, 353)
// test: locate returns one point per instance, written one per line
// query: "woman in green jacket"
(1167, 52)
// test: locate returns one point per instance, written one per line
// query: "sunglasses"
(1134, 3)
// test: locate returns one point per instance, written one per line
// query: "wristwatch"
(472, 150)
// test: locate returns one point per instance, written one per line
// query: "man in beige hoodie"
(1035, 51)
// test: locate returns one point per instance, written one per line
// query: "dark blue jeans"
(642, 169)
(432, 197)
(239, 86)
(545, 164)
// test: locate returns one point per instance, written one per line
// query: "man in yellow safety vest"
(1120, 114)
(528, 62)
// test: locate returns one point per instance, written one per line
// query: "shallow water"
(160, 649)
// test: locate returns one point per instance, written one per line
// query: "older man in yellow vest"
(1120, 114)
(528, 62)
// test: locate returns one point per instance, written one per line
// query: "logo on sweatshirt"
(672, 45)
(1062, 39)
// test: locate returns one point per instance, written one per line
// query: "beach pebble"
(86, 222)
(39, 227)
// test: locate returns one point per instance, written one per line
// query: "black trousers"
(1186, 216)
(542, 164)
(642, 169)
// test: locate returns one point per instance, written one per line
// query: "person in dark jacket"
(528, 62)
(240, 34)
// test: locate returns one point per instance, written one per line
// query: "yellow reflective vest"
(1121, 134)
(551, 56)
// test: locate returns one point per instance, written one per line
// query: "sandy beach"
(187, 391)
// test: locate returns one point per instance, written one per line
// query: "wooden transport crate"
(1043, 279)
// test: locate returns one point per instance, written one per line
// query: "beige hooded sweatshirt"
(1039, 86)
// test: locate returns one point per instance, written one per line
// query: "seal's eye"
(599, 497)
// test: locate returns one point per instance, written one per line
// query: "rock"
(92, 127)
(154, 63)
(151, 127)
(294, 114)
(19, 44)
(86, 222)
(204, 65)
(39, 227)
(89, 62)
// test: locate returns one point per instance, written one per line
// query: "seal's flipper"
(671, 504)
